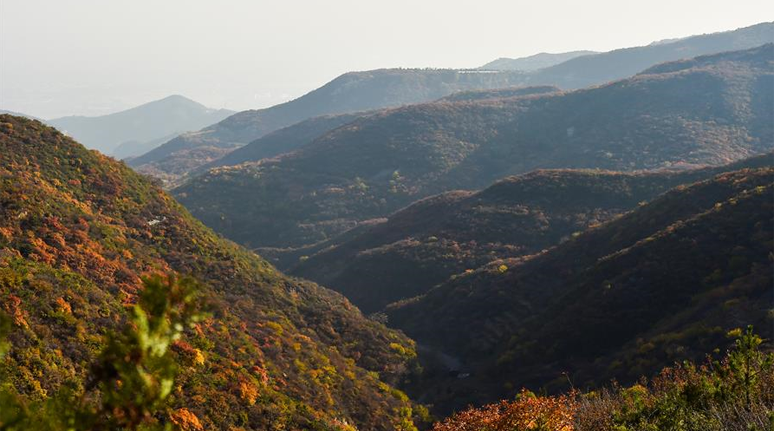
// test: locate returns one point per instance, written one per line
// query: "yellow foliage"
(198, 357)
(248, 392)
(64, 306)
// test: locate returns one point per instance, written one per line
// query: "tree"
(746, 362)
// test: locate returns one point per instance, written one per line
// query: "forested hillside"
(284, 140)
(733, 391)
(568, 241)
(78, 230)
(712, 110)
(445, 235)
(663, 283)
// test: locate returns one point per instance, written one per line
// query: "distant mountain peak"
(176, 98)
(144, 124)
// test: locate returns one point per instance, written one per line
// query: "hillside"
(284, 140)
(712, 110)
(604, 67)
(147, 122)
(360, 91)
(130, 149)
(78, 229)
(304, 132)
(444, 235)
(440, 236)
(177, 167)
(348, 93)
(660, 284)
(498, 93)
(533, 62)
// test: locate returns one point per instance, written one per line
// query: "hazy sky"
(60, 57)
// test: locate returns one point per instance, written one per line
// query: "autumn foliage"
(734, 393)
(527, 412)
(79, 231)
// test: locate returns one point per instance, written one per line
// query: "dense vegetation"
(735, 393)
(712, 110)
(285, 140)
(132, 378)
(659, 284)
(174, 168)
(77, 230)
(619, 252)
(499, 93)
(435, 238)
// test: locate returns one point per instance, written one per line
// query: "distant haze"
(93, 57)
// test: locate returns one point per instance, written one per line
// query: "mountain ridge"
(375, 165)
(384, 88)
(147, 122)
(596, 69)
(533, 62)
(347, 93)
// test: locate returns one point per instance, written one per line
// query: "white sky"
(61, 57)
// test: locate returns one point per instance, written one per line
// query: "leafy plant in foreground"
(133, 377)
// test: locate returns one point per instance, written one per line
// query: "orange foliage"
(527, 413)
(64, 306)
(185, 420)
(6, 234)
(14, 308)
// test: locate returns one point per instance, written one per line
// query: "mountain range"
(577, 225)
(375, 89)
(351, 92)
(134, 131)
(595, 69)
(709, 110)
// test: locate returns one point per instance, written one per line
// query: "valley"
(580, 240)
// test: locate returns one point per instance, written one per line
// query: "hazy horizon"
(249, 55)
